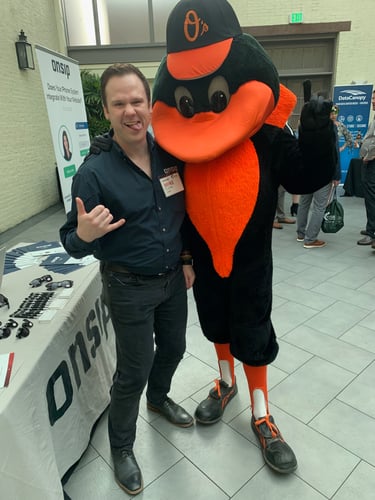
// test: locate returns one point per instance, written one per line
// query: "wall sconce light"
(24, 52)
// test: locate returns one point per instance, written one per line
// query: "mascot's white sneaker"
(212, 408)
(276, 452)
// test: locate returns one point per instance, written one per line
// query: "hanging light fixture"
(24, 52)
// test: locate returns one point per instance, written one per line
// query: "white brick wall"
(27, 162)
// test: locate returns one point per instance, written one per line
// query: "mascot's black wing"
(306, 90)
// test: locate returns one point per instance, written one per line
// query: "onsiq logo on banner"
(354, 103)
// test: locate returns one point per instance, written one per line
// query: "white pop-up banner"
(63, 93)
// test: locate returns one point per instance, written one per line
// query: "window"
(79, 17)
(161, 11)
(116, 22)
(127, 21)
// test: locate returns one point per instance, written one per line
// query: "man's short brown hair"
(120, 69)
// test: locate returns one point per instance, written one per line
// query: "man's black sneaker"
(211, 409)
(276, 452)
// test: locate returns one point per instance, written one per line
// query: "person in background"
(127, 210)
(280, 217)
(308, 230)
(295, 204)
(342, 131)
(295, 197)
(367, 153)
(358, 140)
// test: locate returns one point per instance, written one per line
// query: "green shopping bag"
(333, 219)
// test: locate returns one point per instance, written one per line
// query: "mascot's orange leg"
(211, 409)
(276, 452)
(226, 363)
(257, 382)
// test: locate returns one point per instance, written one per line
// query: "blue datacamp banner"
(354, 103)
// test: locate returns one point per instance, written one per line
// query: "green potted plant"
(97, 122)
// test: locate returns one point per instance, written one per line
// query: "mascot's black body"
(219, 107)
(223, 114)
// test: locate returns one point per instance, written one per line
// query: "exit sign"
(296, 17)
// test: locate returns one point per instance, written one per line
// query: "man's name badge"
(171, 184)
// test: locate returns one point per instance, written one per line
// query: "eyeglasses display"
(33, 305)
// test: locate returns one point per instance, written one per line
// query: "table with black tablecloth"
(353, 180)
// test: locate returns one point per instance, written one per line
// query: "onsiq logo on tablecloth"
(59, 389)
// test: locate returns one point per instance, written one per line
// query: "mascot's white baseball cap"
(199, 37)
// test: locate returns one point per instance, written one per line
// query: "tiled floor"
(321, 388)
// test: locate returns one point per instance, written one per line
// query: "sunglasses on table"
(38, 281)
(59, 284)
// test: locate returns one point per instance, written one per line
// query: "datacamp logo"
(352, 95)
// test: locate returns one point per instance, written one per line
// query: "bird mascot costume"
(218, 106)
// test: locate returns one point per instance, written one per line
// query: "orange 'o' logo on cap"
(192, 25)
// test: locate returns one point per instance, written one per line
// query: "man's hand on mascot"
(100, 143)
(315, 114)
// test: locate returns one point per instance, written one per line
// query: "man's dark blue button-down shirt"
(150, 241)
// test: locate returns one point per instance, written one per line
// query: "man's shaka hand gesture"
(96, 223)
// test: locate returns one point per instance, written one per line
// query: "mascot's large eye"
(218, 94)
(184, 102)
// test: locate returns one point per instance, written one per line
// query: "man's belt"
(118, 268)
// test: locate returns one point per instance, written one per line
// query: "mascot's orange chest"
(220, 199)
